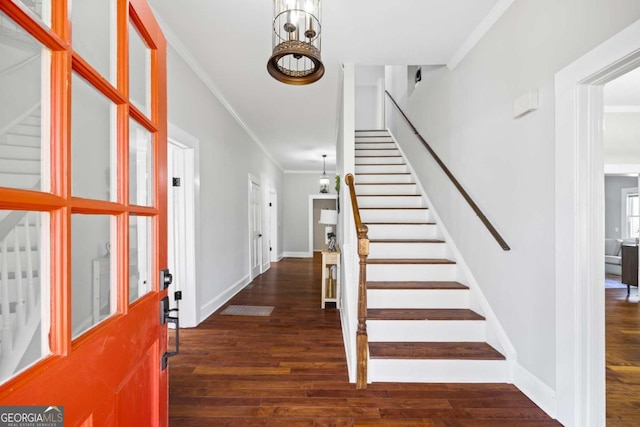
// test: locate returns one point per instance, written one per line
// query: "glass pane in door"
(40, 8)
(23, 73)
(93, 34)
(140, 256)
(140, 165)
(92, 271)
(139, 72)
(24, 285)
(92, 143)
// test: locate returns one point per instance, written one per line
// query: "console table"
(329, 259)
(630, 266)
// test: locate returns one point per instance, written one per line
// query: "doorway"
(183, 198)
(255, 228)
(273, 228)
(316, 230)
(580, 320)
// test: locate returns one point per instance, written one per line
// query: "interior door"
(90, 129)
(255, 225)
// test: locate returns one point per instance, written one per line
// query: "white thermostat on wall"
(525, 104)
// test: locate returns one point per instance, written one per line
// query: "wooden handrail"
(362, 340)
(503, 244)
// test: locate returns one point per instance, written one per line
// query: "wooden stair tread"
(420, 261)
(434, 350)
(386, 183)
(422, 314)
(388, 195)
(393, 208)
(400, 223)
(405, 240)
(380, 164)
(377, 157)
(376, 149)
(417, 285)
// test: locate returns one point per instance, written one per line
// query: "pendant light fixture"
(295, 58)
(324, 179)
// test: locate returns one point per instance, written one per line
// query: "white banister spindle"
(18, 283)
(31, 291)
(7, 336)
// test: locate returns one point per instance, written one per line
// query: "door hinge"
(270, 249)
(176, 181)
(270, 204)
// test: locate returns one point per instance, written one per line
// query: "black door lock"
(165, 317)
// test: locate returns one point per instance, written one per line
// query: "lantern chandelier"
(324, 179)
(296, 42)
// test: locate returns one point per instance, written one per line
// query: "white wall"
(506, 165)
(622, 138)
(295, 201)
(227, 157)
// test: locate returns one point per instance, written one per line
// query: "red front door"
(83, 210)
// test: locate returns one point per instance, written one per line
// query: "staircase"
(419, 321)
(20, 152)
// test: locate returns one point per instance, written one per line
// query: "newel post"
(361, 335)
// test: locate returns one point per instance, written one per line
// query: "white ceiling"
(231, 42)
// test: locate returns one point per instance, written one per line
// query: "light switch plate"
(525, 104)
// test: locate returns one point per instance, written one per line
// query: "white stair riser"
(23, 140)
(34, 119)
(406, 250)
(381, 169)
(411, 272)
(365, 144)
(386, 189)
(372, 132)
(447, 371)
(373, 179)
(379, 160)
(18, 152)
(374, 152)
(18, 181)
(417, 298)
(402, 231)
(25, 129)
(20, 166)
(391, 202)
(395, 215)
(426, 330)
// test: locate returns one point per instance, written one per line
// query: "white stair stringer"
(413, 281)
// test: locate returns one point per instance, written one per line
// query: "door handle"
(259, 235)
(166, 278)
(165, 317)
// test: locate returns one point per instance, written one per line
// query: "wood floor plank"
(289, 369)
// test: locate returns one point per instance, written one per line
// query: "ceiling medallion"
(296, 42)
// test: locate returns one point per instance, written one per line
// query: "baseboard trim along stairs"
(420, 322)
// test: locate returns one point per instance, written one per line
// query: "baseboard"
(540, 393)
(346, 334)
(297, 255)
(266, 266)
(209, 308)
(280, 256)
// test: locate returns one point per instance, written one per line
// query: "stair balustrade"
(362, 344)
(503, 244)
(18, 291)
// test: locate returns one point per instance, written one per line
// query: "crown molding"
(310, 172)
(478, 33)
(184, 53)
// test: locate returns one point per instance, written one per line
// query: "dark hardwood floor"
(289, 370)
(623, 357)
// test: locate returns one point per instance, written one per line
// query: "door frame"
(312, 198)
(256, 181)
(189, 313)
(579, 218)
(273, 227)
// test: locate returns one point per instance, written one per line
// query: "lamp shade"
(328, 217)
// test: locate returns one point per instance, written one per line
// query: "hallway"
(289, 369)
